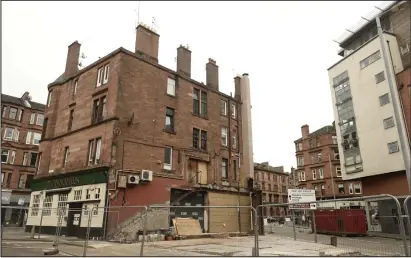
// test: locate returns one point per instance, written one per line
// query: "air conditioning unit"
(146, 175)
(133, 179)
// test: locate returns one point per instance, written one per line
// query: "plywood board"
(187, 226)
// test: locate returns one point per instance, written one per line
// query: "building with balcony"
(127, 131)
(367, 129)
(21, 126)
(273, 182)
(318, 165)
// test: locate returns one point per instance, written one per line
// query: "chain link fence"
(341, 227)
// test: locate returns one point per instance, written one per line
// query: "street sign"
(298, 196)
(21, 201)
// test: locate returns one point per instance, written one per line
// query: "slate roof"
(18, 101)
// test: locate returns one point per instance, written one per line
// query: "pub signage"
(63, 182)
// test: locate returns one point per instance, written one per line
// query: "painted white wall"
(52, 220)
(373, 138)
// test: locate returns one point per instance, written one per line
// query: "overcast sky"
(286, 47)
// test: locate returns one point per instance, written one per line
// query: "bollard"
(333, 241)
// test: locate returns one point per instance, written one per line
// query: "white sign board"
(296, 196)
(21, 201)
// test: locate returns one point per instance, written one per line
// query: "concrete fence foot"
(51, 251)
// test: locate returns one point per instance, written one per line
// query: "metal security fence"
(231, 228)
(337, 229)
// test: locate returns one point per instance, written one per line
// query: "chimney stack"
(184, 61)
(147, 42)
(212, 74)
(305, 131)
(73, 55)
(237, 90)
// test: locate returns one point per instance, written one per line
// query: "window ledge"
(171, 96)
(170, 131)
(168, 171)
(200, 116)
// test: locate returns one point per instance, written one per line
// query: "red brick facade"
(318, 163)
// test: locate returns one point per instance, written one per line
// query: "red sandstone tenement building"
(318, 165)
(21, 126)
(273, 182)
(125, 118)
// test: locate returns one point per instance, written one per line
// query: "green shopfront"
(67, 200)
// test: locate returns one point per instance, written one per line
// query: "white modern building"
(369, 141)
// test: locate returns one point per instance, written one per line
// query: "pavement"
(368, 245)
(281, 243)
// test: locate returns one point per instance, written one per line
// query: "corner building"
(127, 131)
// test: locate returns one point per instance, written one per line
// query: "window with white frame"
(49, 99)
(314, 174)
(66, 156)
(341, 189)
(338, 171)
(94, 152)
(77, 195)
(35, 205)
(4, 112)
(33, 159)
(350, 188)
(223, 107)
(336, 154)
(224, 172)
(85, 210)
(233, 111)
(302, 175)
(321, 172)
(95, 209)
(12, 113)
(48, 202)
(168, 158)
(357, 188)
(319, 157)
(300, 161)
(334, 138)
(75, 87)
(25, 158)
(4, 156)
(102, 75)
(29, 137)
(36, 138)
(234, 140)
(171, 87)
(40, 119)
(97, 193)
(224, 138)
(62, 204)
(19, 115)
(32, 118)
(8, 134)
(21, 181)
(88, 194)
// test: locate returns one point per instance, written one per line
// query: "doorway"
(74, 219)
